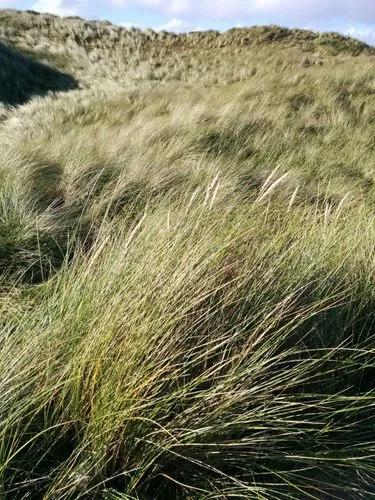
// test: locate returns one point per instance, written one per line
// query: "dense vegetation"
(187, 259)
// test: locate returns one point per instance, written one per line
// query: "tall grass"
(187, 270)
(211, 355)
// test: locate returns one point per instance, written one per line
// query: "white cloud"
(175, 25)
(129, 25)
(367, 34)
(59, 7)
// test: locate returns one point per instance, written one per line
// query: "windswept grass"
(187, 268)
(94, 51)
(212, 354)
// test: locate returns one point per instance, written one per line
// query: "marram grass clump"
(187, 265)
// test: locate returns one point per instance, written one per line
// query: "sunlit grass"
(187, 269)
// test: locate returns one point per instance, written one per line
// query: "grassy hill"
(93, 51)
(186, 263)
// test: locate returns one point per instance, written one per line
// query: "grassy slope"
(96, 51)
(203, 211)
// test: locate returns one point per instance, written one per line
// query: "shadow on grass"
(22, 78)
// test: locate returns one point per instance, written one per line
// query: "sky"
(352, 17)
